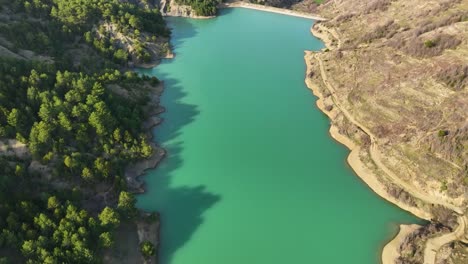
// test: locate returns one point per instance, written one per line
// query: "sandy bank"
(391, 252)
(270, 9)
(369, 177)
(354, 160)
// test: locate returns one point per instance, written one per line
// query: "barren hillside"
(394, 80)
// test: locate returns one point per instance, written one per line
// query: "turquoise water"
(252, 175)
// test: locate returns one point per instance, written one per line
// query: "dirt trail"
(376, 154)
(434, 244)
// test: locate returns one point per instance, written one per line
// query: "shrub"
(430, 43)
(147, 249)
(443, 186)
(442, 133)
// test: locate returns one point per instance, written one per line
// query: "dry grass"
(402, 73)
(387, 30)
(426, 47)
(454, 76)
(377, 5)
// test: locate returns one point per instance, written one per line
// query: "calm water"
(252, 176)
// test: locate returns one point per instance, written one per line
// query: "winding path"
(376, 154)
(433, 245)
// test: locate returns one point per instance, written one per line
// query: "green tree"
(120, 56)
(146, 149)
(109, 217)
(106, 240)
(147, 249)
(65, 122)
(53, 203)
(101, 119)
(87, 174)
(102, 166)
(126, 204)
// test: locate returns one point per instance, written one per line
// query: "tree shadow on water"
(225, 11)
(181, 207)
(182, 29)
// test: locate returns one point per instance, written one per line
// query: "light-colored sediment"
(270, 9)
(361, 170)
(14, 148)
(376, 154)
(390, 252)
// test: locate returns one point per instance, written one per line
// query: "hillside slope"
(75, 130)
(394, 80)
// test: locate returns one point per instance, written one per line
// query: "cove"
(252, 175)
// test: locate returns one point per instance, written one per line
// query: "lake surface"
(252, 175)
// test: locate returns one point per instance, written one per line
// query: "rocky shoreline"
(148, 230)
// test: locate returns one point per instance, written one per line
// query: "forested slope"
(65, 136)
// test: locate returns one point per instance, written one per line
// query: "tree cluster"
(202, 7)
(73, 124)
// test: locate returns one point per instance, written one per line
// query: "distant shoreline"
(270, 9)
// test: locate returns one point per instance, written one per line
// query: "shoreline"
(353, 159)
(376, 182)
(390, 251)
(241, 4)
(133, 172)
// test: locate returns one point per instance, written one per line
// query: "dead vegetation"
(429, 24)
(425, 47)
(377, 5)
(452, 253)
(402, 73)
(412, 249)
(454, 76)
(387, 30)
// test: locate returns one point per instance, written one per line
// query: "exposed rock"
(171, 8)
